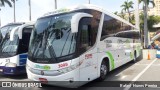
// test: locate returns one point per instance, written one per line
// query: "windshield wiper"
(49, 45)
(65, 41)
(51, 50)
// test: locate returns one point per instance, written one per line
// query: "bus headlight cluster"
(68, 69)
(11, 65)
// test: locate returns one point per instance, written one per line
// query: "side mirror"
(13, 31)
(22, 27)
(75, 21)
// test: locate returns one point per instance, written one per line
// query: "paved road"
(143, 70)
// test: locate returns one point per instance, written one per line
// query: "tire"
(103, 71)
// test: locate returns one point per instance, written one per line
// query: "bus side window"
(85, 34)
(108, 27)
(85, 40)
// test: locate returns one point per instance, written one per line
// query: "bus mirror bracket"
(75, 21)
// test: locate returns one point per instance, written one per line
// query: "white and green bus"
(81, 43)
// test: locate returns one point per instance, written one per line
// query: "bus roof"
(17, 23)
(87, 6)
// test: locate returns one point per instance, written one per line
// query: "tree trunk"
(129, 16)
(30, 15)
(145, 25)
(14, 11)
(89, 1)
(137, 15)
(0, 18)
(55, 4)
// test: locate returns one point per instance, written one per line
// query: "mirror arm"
(75, 21)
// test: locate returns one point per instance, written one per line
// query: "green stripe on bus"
(111, 60)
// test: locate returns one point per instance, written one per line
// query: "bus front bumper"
(12, 70)
(70, 79)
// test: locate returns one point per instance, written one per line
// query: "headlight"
(11, 65)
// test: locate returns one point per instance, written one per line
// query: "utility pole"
(55, 4)
(30, 15)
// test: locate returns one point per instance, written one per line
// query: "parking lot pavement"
(143, 70)
(14, 78)
(153, 73)
(129, 71)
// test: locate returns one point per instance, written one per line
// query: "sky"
(40, 7)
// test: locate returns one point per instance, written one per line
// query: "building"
(155, 10)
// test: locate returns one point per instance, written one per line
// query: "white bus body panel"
(14, 59)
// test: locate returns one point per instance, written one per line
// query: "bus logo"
(46, 67)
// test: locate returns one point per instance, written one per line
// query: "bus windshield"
(4, 30)
(9, 48)
(52, 38)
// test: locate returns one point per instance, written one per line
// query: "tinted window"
(85, 34)
(88, 29)
(108, 27)
(115, 28)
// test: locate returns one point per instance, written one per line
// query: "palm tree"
(55, 4)
(126, 7)
(116, 13)
(14, 10)
(137, 21)
(3, 2)
(89, 2)
(148, 2)
(145, 7)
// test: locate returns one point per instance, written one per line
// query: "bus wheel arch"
(104, 69)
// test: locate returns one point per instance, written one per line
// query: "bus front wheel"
(103, 71)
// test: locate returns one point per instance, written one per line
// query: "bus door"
(87, 50)
(23, 44)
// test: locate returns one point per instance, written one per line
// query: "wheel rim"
(103, 70)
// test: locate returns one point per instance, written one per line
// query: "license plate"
(43, 80)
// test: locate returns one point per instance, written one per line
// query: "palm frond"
(8, 2)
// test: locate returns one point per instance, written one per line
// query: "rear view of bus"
(66, 46)
(13, 50)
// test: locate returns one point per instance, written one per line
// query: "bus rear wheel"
(103, 71)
